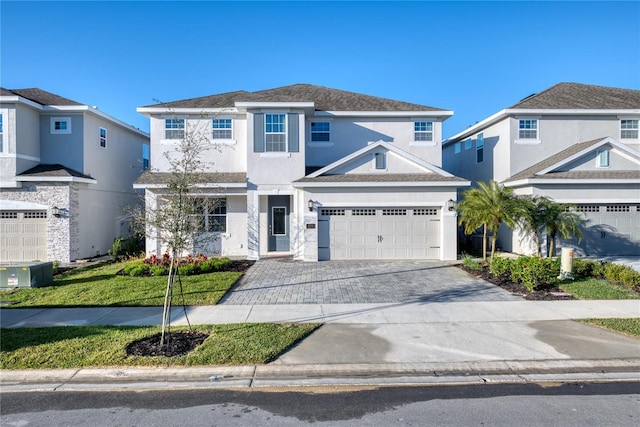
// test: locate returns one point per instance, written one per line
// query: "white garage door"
(610, 230)
(379, 233)
(23, 235)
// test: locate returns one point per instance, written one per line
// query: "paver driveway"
(284, 281)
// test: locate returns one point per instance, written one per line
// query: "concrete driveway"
(284, 281)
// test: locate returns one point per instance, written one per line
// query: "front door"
(279, 224)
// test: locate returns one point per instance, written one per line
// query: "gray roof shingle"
(382, 177)
(54, 170)
(581, 96)
(325, 99)
(160, 178)
(39, 96)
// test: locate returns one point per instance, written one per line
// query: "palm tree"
(533, 218)
(488, 206)
(560, 218)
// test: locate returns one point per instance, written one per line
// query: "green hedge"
(186, 267)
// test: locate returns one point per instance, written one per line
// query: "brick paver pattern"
(284, 281)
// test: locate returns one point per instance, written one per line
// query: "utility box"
(27, 275)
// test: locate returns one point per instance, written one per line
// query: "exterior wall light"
(310, 205)
(55, 211)
(451, 205)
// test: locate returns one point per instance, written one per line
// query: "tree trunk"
(168, 296)
(536, 236)
(484, 242)
(493, 246)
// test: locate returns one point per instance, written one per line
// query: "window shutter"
(294, 139)
(258, 133)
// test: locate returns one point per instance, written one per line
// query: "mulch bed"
(176, 344)
(546, 294)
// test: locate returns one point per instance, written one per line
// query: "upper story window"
(320, 132)
(275, 132)
(468, 144)
(528, 129)
(629, 129)
(380, 160)
(173, 128)
(602, 159)
(222, 128)
(60, 125)
(423, 131)
(103, 137)
(1, 136)
(456, 147)
(480, 148)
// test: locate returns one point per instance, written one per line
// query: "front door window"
(278, 221)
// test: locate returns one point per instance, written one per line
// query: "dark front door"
(279, 224)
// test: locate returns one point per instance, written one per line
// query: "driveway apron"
(284, 281)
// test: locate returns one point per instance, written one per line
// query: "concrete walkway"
(441, 326)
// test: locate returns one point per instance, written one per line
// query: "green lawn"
(590, 288)
(102, 346)
(100, 286)
(630, 327)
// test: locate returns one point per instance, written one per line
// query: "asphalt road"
(575, 404)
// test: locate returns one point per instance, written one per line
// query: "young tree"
(488, 206)
(175, 216)
(560, 219)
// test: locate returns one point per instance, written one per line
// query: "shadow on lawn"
(15, 339)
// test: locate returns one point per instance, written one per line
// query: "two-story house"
(66, 174)
(312, 172)
(573, 143)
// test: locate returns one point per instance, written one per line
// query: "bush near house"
(187, 266)
(615, 273)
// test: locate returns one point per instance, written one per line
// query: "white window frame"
(209, 217)
(629, 129)
(220, 130)
(603, 158)
(283, 133)
(102, 140)
(480, 148)
(174, 120)
(525, 134)
(55, 120)
(320, 132)
(380, 161)
(423, 132)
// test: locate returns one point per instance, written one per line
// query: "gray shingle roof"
(39, 96)
(530, 172)
(325, 99)
(148, 177)
(382, 177)
(55, 170)
(581, 96)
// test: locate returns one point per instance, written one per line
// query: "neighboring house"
(573, 143)
(66, 173)
(312, 172)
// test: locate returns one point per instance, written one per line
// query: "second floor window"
(60, 125)
(320, 132)
(173, 128)
(468, 144)
(480, 148)
(103, 137)
(275, 135)
(629, 129)
(1, 136)
(222, 129)
(456, 147)
(423, 131)
(528, 129)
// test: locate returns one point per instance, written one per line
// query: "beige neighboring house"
(66, 173)
(574, 143)
(312, 172)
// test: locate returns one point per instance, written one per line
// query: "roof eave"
(400, 184)
(77, 179)
(409, 113)
(532, 181)
(206, 185)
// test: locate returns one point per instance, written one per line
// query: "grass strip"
(630, 327)
(104, 346)
(590, 288)
(100, 286)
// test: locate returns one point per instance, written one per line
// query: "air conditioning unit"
(26, 275)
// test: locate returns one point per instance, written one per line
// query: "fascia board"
(532, 181)
(95, 111)
(381, 184)
(149, 111)
(248, 104)
(213, 185)
(477, 127)
(435, 114)
(21, 100)
(56, 179)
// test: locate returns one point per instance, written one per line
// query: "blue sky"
(471, 57)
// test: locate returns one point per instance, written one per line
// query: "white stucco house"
(66, 173)
(573, 143)
(314, 173)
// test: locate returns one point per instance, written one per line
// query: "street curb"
(265, 376)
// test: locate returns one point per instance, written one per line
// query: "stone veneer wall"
(63, 233)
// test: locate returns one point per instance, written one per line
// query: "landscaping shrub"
(584, 267)
(136, 268)
(535, 273)
(500, 267)
(189, 265)
(470, 263)
(622, 274)
(122, 247)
